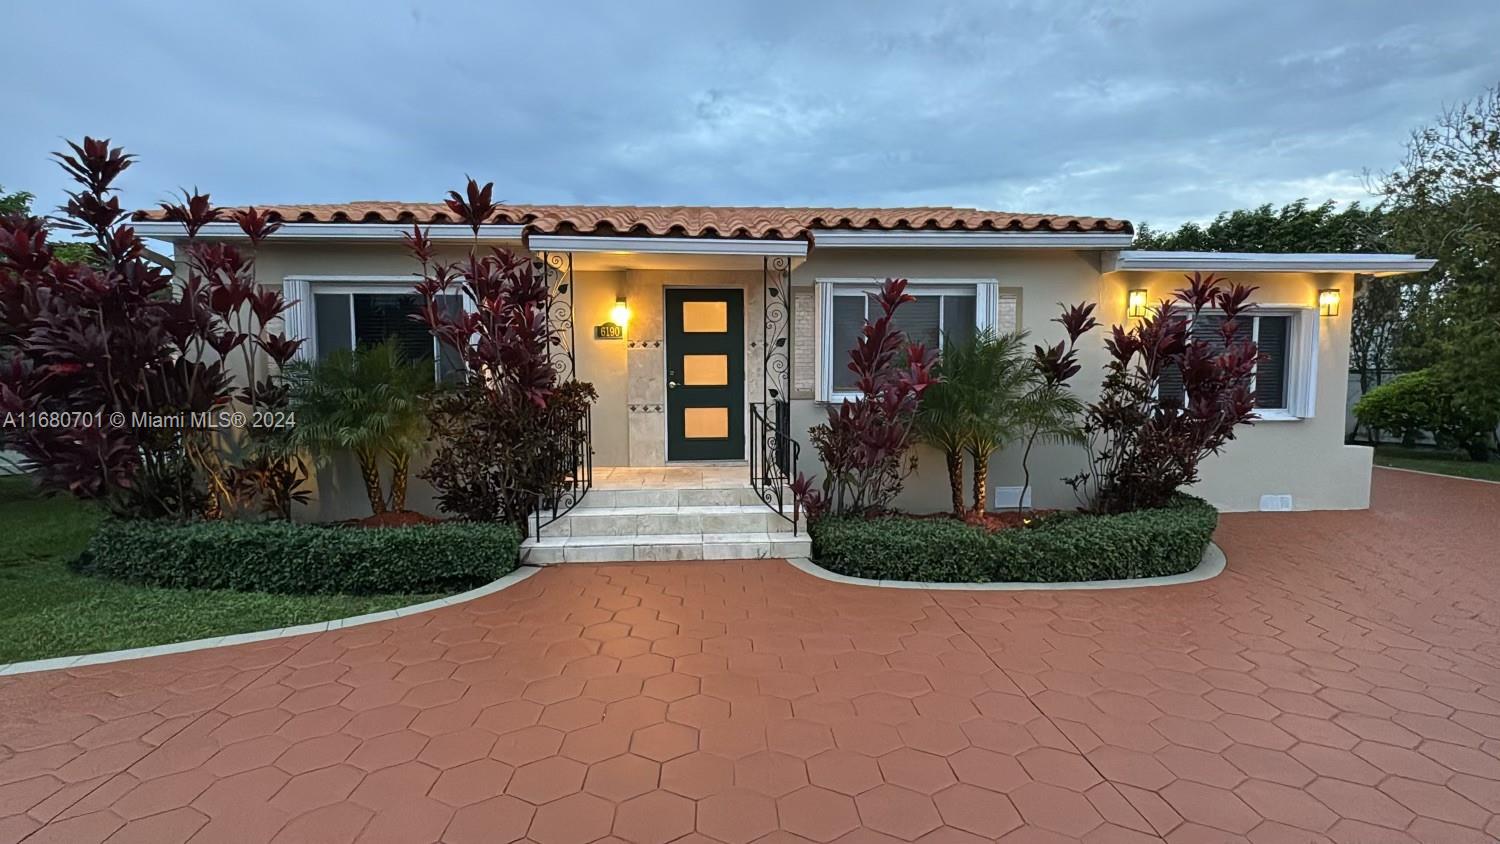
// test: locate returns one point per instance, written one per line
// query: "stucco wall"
(1306, 458)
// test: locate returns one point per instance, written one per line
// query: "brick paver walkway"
(1340, 682)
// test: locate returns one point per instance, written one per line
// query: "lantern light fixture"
(620, 313)
(1135, 306)
(1328, 302)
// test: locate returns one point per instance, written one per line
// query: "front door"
(705, 374)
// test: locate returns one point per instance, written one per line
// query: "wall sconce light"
(620, 313)
(1328, 302)
(1135, 305)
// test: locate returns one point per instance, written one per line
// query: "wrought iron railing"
(773, 458)
(573, 475)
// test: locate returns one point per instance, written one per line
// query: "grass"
(48, 610)
(1436, 461)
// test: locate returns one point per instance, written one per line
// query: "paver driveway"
(1342, 679)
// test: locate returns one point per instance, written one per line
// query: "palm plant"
(980, 405)
(371, 401)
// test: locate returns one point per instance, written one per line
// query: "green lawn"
(1438, 462)
(47, 610)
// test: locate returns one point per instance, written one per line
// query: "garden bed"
(1065, 547)
(302, 559)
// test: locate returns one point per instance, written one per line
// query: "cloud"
(1152, 112)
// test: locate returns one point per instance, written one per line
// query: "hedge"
(1059, 548)
(302, 559)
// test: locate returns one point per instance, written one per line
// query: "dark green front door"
(705, 374)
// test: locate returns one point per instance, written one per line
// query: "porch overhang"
(667, 245)
(1269, 262)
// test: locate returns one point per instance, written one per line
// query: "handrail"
(573, 474)
(773, 458)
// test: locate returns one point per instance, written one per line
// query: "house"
(714, 335)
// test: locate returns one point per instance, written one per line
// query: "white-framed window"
(944, 309)
(1284, 379)
(334, 313)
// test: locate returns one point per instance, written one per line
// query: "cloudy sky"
(1158, 112)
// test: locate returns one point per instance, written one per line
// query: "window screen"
(848, 322)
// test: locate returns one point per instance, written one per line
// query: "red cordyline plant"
(506, 435)
(865, 444)
(93, 354)
(1146, 444)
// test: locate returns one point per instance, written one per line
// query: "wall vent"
(1006, 496)
(1275, 503)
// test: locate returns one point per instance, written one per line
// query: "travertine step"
(676, 519)
(602, 548)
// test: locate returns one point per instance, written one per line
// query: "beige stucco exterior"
(1304, 458)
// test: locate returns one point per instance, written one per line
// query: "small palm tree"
(371, 401)
(978, 407)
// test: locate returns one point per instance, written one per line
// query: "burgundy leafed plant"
(1147, 435)
(505, 433)
(865, 444)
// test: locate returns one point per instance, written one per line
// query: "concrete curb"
(505, 582)
(1436, 475)
(1212, 565)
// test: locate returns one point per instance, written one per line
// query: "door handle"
(671, 385)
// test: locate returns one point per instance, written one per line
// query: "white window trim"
(986, 310)
(1301, 361)
(302, 318)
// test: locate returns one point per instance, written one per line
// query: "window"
(944, 310)
(345, 318)
(1278, 379)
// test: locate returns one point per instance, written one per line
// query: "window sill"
(1276, 416)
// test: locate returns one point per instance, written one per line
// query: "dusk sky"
(1156, 112)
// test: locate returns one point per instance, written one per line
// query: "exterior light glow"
(1136, 304)
(620, 313)
(1328, 302)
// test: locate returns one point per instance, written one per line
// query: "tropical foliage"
(1421, 402)
(103, 350)
(865, 443)
(506, 436)
(1145, 442)
(371, 401)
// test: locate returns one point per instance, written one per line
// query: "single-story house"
(740, 318)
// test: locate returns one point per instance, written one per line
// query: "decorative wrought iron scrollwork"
(572, 478)
(556, 269)
(776, 352)
(773, 458)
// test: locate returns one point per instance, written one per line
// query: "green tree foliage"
(371, 401)
(1424, 402)
(1444, 201)
(1294, 227)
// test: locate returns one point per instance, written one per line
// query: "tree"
(371, 401)
(1445, 202)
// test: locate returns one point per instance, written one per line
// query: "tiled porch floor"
(708, 476)
(1340, 682)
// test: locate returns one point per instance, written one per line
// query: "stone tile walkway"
(1340, 682)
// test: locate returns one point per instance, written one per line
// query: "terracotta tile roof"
(696, 221)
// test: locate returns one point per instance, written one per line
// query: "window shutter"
(382, 316)
(919, 321)
(1271, 372)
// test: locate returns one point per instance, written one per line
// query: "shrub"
(1060, 548)
(508, 435)
(302, 559)
(1421, 401)
(864, 444)
(1146, 440)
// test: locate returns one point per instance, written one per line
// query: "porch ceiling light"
(1135, 305)
(620, 313)
(1328, 302)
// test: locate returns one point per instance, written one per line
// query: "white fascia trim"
(331, 231)
(842, 239)
(666, 245)
(1287, 262)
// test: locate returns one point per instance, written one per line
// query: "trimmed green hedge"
(1060, 548)
(302, 559)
